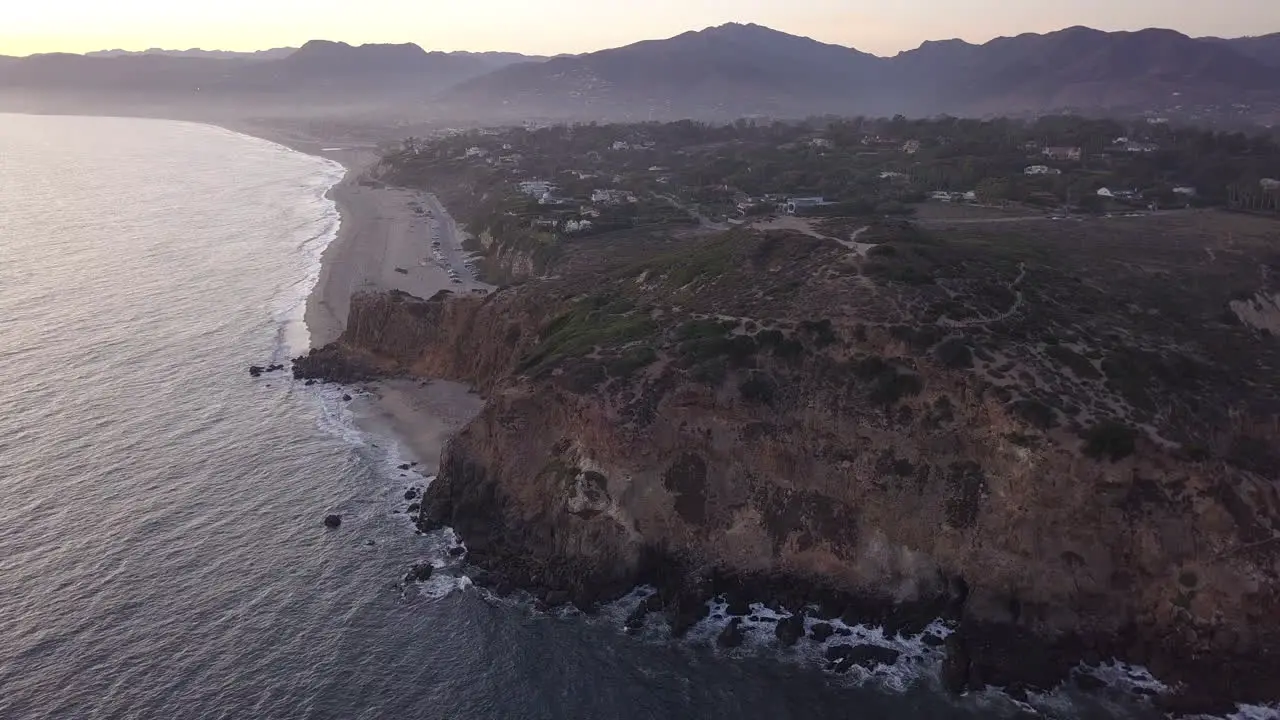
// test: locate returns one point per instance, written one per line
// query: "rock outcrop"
(769, 416)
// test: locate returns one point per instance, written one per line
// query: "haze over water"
(161, 546)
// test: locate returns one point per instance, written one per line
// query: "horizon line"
(159, 49)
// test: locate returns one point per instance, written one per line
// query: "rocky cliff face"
(773, 415)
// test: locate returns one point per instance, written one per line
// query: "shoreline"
(383, 243)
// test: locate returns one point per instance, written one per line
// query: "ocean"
(162, 553)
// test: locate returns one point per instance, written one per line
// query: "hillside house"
(890, 175)
(1062, 153)
(798, 205)
(476, 152)
(1140, 147)
(911, 147)
(611, 197)
(821, 143)
(621, 145)
(1185, 191)
(535, 188)
(1041, 170)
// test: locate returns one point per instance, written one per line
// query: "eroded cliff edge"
(1068, 460)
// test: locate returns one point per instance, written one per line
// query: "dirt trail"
(1014, 308)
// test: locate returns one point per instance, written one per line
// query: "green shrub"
(631, 361)
(954, 353)
(759, 388)
(1110, 439)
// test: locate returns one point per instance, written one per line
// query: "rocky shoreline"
(782, 450)
(979, 653)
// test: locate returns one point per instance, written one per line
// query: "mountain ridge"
(721, 72)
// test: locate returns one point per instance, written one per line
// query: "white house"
(1041, 170)
(890, 175)
(1186, 190)
(621, 145)
(611, 197)
(940, 195)
(572, 226)
(1106, 193)
(798, 204)
(535, 188)
(1269, 184)
(821, 143)
(476, 152)
(1140, 147)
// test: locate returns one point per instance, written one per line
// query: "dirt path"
(1017, 305)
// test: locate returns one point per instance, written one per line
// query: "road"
(450, 255)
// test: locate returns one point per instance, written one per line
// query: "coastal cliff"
(926, 429)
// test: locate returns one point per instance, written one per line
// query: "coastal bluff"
(768, 416)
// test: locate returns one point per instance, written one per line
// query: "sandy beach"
(389, 239)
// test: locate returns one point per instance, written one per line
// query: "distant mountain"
(1264, 48)
(271, 54)
(319, 75)
(736, 70)
(721, 72)
(1077, 67)
(727, 71)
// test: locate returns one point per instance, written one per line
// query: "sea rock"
(821, 632)
(346, 398)
(841, 658)
(332, 521)
(955, 667)
(275, 368)
(404, 466)
(790, 629)
(255, 370)
(457, 550)
(411, 493)
(689, 610)
(635, 620)
(420, 572)
(1088, 681)
(732, 635)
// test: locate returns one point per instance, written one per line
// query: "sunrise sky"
(552, 26)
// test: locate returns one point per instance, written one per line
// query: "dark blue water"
(161, 547)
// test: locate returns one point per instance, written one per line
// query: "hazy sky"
(550, 26)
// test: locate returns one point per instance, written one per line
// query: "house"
(476, 152)
(1041, 170)
(1106, 193)
(1269, 184)
(890, 175)
(969, 196)
(572, 226)
(1185, 190)
(1062, 153)
(535, 188)
(821, 143)
(911, 147)
(611, 197)
(1140, 147)
(800, 204)
(940, 195)
(1157, 121)
(621, 145)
